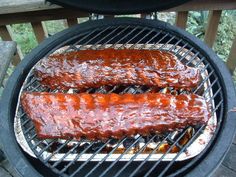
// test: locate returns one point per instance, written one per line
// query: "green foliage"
(234, 77)
(24, 36)
(55, 26)
(168, 17)
(1, 90)
(225, 35)
(197, 24)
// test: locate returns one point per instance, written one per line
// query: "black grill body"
(138, 31)
(119, 6)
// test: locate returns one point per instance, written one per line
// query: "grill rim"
(35, 153)
(12, 89)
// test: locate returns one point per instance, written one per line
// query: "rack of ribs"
(102, 116)
(94, 68)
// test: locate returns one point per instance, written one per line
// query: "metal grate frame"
(129, 36)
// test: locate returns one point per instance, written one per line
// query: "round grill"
(68, 152)
(157, 154)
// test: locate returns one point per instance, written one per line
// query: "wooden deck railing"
(36, 11)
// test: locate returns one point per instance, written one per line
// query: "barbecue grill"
(194, 151)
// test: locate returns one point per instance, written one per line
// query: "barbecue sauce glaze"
(101, 116)
(95, 68)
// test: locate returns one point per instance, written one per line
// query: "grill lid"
(119, 6)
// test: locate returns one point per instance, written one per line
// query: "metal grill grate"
(128, 156)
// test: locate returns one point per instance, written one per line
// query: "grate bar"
(92, 38)
(207, 90)
(109, 34)
(174, 46)
(149, 155)
(181, 49)
(214, 95)
(125, 90)
(170, 148)
(54, 152)
(100, 162)
(46, 147)
(65, 155)
(153, 46)
(76, 158)
(125, 36)
(166, 43)
(217, 106)
(31, 138)
(122, 31)
(29, 129)
(192, 58)
(204, 68)
(26, 121)
(127, 150)
(35, 88)
(94, 154)
(134, 45)
(203, 82)
(157, 34)
(131, 160)
(182, 150)
(84, 37)
(36, 144)
(201, 62)
(113, 89)
(32, 81)
(133, 38)
(186, 54)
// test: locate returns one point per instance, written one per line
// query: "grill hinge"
(152, 16)
(94, 16)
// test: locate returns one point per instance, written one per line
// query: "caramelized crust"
(101, 116)
(95, 68)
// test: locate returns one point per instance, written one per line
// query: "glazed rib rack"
(141, 155)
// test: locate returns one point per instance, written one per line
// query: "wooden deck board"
(15, 6)
(7, 49)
